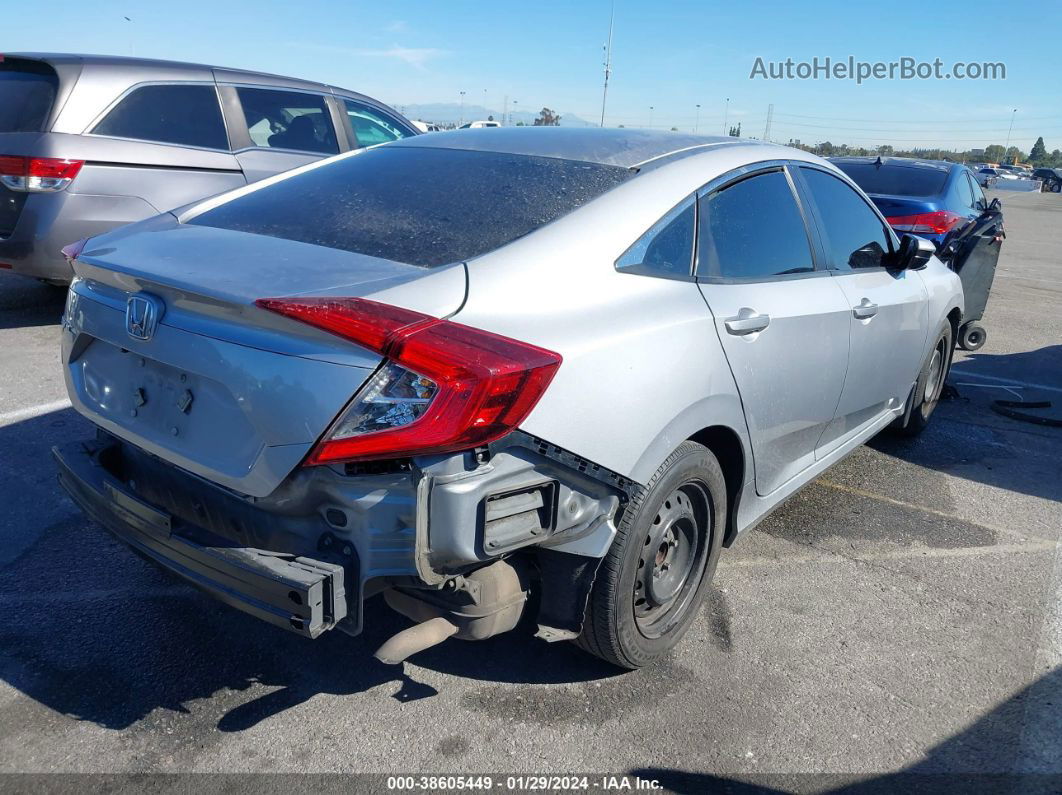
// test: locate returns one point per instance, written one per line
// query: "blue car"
(944, 203)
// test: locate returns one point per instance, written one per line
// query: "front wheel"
(654, 578)
(930, 383)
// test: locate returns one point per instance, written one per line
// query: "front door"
(783, 323)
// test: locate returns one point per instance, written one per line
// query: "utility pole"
(462, 109)
(726, 115)
(697, 123)
(1011, 129)
(650, 117)
(514, 111)
(767, 129)
(505, 111)
(608, 61)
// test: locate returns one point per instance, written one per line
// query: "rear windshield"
(418, 205)
(27, 91)
(896, 180)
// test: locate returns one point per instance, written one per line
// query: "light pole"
(650, 117)
(726, 115)
(485, 102)
(460, 123)
(697, 123)
(608, 62)
(513, 111)
(1013, 113)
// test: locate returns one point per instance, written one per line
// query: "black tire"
(1056, 187)
(930, 383)
(972, 336)
(667, 543)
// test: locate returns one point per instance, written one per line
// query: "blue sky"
(668, 55)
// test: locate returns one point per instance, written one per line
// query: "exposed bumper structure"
(297, 593)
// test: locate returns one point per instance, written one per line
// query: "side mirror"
(914, 253)
(996, 206)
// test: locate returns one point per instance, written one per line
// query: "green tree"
(1039, 152)
(547, 118)
(885, 150)
(735, 132)
(994, 153)
(1014, 155)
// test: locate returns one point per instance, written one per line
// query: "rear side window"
(666, 249)
(288, 120)
(417, 205)
(371, 126)
(894, 180)
(855, 236)
(27, 91)
(187, 115)
(753, 229)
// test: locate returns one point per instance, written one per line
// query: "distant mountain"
(452, 113)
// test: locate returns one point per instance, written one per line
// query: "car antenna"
(878, 162)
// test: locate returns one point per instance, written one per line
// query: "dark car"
(1050, 179)
(944, 203)
(90, 142)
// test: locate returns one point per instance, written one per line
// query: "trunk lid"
(227, 390)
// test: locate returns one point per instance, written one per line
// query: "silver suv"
(88, 142)
(464, 367)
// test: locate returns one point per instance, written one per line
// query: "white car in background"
(477, 125)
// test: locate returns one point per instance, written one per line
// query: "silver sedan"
(462, 368)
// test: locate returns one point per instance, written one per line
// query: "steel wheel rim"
(671, 559)
(936, 371)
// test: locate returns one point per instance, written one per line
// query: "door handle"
(747, 322)
(865, 309)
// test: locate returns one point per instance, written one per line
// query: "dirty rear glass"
(896, 180)
(420, 206)
(27, 91)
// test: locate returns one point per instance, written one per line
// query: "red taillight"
(481, 385)
(936, 223)
(42, 174)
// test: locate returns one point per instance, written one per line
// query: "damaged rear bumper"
(297, 593)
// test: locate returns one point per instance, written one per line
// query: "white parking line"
(28, 413)
(1004, 381)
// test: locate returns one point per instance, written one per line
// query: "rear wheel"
(653, 579)
(972, 336)
(930, 383)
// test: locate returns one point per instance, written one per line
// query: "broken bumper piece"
(297, 593)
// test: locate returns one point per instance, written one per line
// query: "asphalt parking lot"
(900, 616)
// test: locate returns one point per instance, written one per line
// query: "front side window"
(855, 236)
(371, 126)
(966, 193)
(666, 249)
(753, 229)
(288, 120)
(980, 203)
(187, 115)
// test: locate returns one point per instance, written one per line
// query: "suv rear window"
(187, 115)
(27, 91)
(417, 205)
(895, 180)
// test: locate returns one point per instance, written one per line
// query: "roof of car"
(913, 162)
(127, 62)
(615, 147)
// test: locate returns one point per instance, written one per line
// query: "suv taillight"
(38, 174)
(443, 387)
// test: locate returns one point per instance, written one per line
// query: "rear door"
(888, 310)
(277, 129)
(783, 321)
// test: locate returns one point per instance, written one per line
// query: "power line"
(913, 121)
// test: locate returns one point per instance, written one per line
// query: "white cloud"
(416, 57)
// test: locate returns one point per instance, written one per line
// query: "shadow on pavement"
(965, 439)
(98, 634)
(25, 302)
